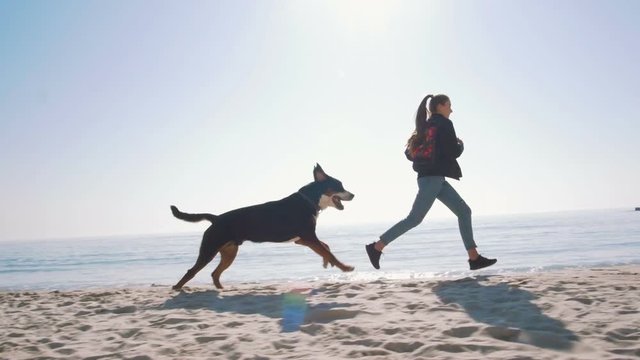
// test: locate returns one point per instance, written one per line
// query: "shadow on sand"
(292, 308)
(509, 312)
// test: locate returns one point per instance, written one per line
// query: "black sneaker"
(481, 262)
(374, 255)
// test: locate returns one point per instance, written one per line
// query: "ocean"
(521, 243)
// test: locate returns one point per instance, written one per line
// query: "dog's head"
(332, 193)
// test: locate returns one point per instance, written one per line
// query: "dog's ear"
(318, 173)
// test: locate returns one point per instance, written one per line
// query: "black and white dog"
(290, 219)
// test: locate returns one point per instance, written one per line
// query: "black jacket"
(439, 159)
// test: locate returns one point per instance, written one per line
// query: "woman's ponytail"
(421, 114)
(421, 123)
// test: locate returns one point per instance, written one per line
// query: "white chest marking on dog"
(294, 239)
(325, 202)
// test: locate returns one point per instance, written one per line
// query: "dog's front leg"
(322, 249)
(325, 261)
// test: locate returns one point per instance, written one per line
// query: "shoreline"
(586, 313)
(340, 278)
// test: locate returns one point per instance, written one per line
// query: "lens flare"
(294, 310)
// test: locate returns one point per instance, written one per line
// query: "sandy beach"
(568, 314)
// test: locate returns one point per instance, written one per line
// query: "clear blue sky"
(112, 111)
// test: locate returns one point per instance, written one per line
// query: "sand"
(569, 314)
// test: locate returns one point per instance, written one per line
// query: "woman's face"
(444, 109)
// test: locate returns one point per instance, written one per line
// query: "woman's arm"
(451, 146)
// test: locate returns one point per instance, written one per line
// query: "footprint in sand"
(125, 310)
(581, 300)
(233, 324)
(627, 312)
(416, 306)
(167, 351)
(461, 332)
(391, 331)
(325, 316)
(246, 338)
(55, 345)
(183, 328)
(403, 347)
(206, 339)
(455, 348)
(502, 333)
(356, 331)
(447, 308)
(311, 329)
(363, 353)
(129, 333)
(258, 357)
(409, 285)
(627, 352)
(284, 344)
(66, 323)
(65, 351)
(173, 321)
(364, 342)
(450, 348)
(623, 334)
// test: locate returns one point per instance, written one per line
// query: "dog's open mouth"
(337, 202)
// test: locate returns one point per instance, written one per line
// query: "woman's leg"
(458, 206)
(428, 189)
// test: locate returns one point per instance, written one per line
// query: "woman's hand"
(460, 147)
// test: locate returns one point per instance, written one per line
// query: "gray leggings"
(431, 188)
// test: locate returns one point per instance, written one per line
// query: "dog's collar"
(314, 205)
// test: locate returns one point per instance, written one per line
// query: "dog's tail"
(192, 217)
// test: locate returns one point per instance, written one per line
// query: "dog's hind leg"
(202, 261)
(227, 254)
(208, 249)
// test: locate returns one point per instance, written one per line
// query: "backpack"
(425, 153)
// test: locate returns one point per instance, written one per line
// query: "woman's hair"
(417, 138)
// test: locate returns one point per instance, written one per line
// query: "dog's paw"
(347, 268)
